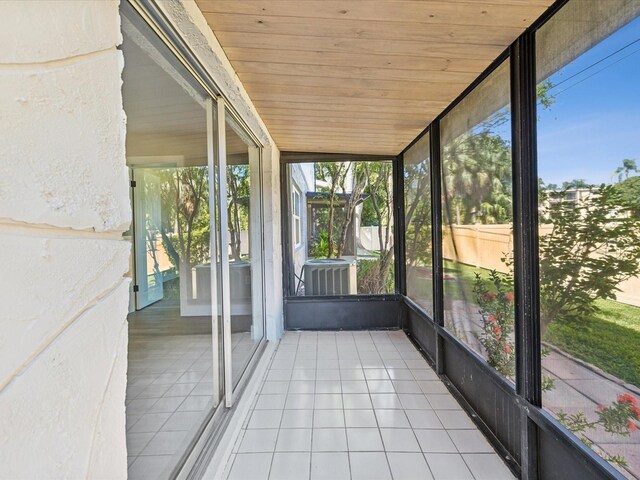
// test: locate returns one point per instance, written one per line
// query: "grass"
(621, 314)
(459, 286)
(610, 340)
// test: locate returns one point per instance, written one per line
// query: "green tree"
(238, 193)
(593, 246)
(629, 190)
(380, 193)
(628, 166)
(354, 198)
(545, 98)
(477, 169)
(477, 179)
(417, 199)
(576, 184)
(184, 194)
(334, 175)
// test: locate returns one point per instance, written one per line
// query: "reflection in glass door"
(148, 242)
(174, 370)
(198, 255)
(244, 257)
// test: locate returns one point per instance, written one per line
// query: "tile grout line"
(386, 456)
(344, 414)
(413, 430)
(345, 351)
(182, 361)
(275, 445)
(445, 430)
(313, 412)
(243, 429)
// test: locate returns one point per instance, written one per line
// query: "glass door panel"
(174, 370)
(244, 214)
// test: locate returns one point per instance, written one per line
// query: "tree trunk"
(350, 209)
(234, 219)
(381, 186)
(332, 194)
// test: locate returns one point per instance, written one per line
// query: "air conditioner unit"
(200, 302)
(330, 277)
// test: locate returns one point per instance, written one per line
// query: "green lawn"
(458, 284)
(459, 279)
(620, 314)
(610, 340)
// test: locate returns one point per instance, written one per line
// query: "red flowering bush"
(497, 311)
(496, 307)
(498, 315)
(619, 418)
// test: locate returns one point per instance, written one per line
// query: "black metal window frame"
(532, 441)
(337, 312)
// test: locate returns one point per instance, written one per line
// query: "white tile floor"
(357, 405)
(169, 394)
(169, 390)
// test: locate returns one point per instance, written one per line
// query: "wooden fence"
(484, 246)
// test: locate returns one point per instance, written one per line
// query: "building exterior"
(156, 173)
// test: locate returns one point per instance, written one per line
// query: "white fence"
(369, 238)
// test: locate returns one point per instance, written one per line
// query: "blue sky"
(595, 122)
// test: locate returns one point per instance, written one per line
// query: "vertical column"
(215, 248)
(224, 253)
(288, 279)
(525, 226)
(255, 243)
(436, 240)
(273, 241)
(399, 226)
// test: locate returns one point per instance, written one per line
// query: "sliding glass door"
(197, 256)
(175, 350)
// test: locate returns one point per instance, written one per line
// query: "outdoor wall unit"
(330, 277)
(239, 291)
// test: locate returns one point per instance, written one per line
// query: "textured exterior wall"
(64, 203)
(272, 242)
(302, 177)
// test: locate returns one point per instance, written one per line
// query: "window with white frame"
(296, 224)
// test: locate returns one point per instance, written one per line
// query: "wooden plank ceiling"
(360, 76)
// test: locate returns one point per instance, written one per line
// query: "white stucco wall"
(64, 203)
(302, 177)
(272, 243)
